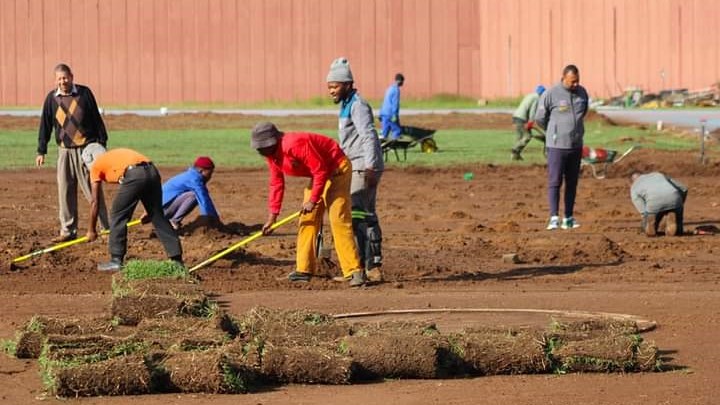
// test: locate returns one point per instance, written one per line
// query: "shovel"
(61, 246)
(244, 242)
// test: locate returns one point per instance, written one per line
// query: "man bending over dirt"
(321, 159)
(139, 181)
(185, 191)
(657, 195)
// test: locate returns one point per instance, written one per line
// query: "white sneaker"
(554, 223)
(570, 223)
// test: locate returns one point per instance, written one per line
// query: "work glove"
(530, 125)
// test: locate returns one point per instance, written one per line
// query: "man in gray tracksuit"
(561, 112)
(360, 142)
(656, 195)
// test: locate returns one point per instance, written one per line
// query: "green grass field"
(231, 148)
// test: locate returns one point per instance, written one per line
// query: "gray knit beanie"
(264, 134)
(340, 71)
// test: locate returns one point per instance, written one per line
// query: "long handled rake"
(61, 246)
(244, 242)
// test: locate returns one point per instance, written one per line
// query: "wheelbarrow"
(600, 159)
(411, 136)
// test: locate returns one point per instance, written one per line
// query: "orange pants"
(336, 199)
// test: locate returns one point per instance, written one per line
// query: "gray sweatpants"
(71, 173)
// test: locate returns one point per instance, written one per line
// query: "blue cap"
(540, 89)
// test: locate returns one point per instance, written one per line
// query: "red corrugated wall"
(154, 52)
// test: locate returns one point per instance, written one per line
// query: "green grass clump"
(34, 325)
(8, 346)
(234, 380)
(150, 269)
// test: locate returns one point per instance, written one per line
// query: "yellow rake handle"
(245, 241)
(65, 244)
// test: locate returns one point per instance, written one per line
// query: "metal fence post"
(702, 141)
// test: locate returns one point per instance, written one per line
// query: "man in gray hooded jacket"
(656, 195)
(561, 112)
(360, 142)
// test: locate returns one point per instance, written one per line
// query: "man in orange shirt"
(320, 159)
(139, 182)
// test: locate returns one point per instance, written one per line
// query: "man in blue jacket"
(390, 110)
(187, 190)
(561, 112)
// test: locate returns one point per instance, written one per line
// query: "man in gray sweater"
(360, 142)
(655, 196)
(561, 112)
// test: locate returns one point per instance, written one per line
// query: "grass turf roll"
(494, 352)
(306, 365)
(125, 375)
(392, 356)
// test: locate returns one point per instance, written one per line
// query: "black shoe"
(178, 260)
(298, 276)
(115, 264)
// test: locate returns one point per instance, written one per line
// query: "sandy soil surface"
(444, 242)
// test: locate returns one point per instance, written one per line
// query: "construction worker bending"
(139, 182)
(657, 196)
(320, 159)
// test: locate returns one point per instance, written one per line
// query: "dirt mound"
(564, 248)
(679, 164)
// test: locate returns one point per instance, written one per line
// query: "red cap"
(204, 162)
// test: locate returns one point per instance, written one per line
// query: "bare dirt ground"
(444, 241)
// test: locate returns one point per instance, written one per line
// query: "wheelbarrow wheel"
(428, 146)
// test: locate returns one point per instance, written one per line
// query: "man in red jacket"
(320, 159)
